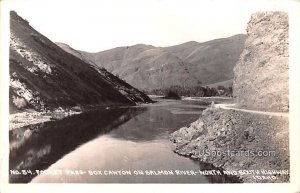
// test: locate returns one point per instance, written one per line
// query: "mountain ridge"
(189, 64)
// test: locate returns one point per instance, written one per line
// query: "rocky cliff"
(261, 75)
(43, 76)
(251, 145)
(186, 65)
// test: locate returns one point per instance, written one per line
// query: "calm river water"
(116, 145)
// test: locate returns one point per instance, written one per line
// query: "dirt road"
(233, 107)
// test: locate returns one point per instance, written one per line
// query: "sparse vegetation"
(198, 91)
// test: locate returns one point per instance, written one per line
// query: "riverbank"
(242, 143)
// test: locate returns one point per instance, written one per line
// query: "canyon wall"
(261, 74)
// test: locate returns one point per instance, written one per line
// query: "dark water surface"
(108, 142)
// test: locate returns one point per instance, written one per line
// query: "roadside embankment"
(237, 140)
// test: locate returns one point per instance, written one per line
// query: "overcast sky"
(96, 25)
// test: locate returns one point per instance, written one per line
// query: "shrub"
(19, 102)
(172, 95)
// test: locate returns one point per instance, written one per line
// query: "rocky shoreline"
(32, 117)
(253, 147)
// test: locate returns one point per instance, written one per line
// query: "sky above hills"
(96, 25)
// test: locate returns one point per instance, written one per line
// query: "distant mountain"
(42, 75)
(187, 65)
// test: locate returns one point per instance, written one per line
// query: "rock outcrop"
(261, 75)
(43, 76)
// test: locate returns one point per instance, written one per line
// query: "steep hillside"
(43, 76)
(187, 65)
(261, 75)
(78, 54)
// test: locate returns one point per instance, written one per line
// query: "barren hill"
(188, 65)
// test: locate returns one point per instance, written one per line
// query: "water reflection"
(155, 123)
(38, 146)
(110, 154)
(115, 139)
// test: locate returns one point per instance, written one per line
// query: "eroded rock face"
(261, 75)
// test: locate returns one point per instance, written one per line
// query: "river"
(115, 145)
